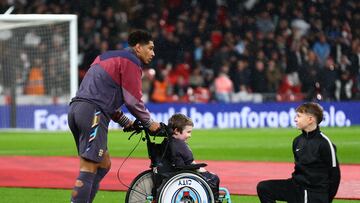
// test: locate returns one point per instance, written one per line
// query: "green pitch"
(11, 195)
(227, 144)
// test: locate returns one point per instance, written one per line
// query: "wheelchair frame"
(181, 185)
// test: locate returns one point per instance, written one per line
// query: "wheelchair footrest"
(224, 195)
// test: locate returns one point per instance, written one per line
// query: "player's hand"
(162, 131)
(154, 126)
(130, 127)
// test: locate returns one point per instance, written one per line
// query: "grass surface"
(228, 144)
(11, 195)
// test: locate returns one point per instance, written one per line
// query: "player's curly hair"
(312, 108)
(139, 36)
(179, 121)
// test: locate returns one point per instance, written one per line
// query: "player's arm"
(122, 120)
(328, 154)
(132, 91)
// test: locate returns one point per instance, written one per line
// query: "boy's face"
(304, 120)
(185, 134)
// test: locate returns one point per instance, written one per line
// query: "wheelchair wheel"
(186, 187)
(141, 188)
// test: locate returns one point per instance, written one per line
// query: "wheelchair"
(166, 183)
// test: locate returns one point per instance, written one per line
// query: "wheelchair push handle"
(163, 131)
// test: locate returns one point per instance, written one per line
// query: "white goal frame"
(29, 20)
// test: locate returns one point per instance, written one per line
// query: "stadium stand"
(275, 50)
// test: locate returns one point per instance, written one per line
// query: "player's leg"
(283, 190)
(85, 176)
(84, 181)
(102, 170)
(92, 145)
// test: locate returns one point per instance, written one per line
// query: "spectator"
(273, 76)
(355, 66)
(160, 87)
(322, 49)
(344, 63)
(290, 88)
(211, 32)
(223, 85)
(241, 75)
(180, 90)
(196, 78)
(147, 81)
(328, 76)
(264, 22)
(343, 87)
(295, 58)
(259, 81)
(198, 50)
(300, 28)
(208, 78)
(308, 75)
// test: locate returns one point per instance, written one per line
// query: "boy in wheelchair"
(182, 155)
(173, 175)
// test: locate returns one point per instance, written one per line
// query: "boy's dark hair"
(312, 108)
(139, 36)
(179, 121)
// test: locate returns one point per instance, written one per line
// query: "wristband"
(123, 120)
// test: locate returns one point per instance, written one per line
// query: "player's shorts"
(89, 127)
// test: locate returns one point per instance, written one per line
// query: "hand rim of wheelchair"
(141, 188)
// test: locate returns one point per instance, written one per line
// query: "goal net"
(38, 60)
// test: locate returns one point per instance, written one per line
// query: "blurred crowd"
(226, 50)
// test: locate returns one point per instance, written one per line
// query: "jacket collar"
(131, 50)
(311, 133)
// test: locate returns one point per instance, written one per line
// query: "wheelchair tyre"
(186, 187)
(141, 188)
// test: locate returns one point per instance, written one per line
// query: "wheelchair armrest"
(191, 166)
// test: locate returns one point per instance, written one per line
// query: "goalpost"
(38, 60)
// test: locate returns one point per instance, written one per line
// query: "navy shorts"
(89, 127)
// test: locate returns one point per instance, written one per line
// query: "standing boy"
(182, 126)
(316, 177)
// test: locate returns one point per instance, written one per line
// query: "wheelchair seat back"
(161, 155)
